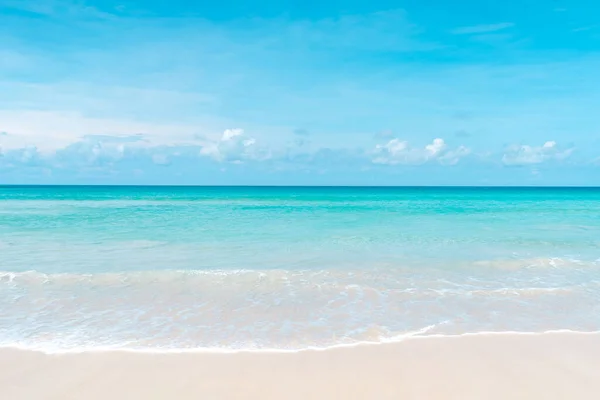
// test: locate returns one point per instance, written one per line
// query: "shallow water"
(290, 268)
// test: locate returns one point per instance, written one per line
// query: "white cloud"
(529, 155)
(436, 147)
(235, 147)
(26, 156)
(397, 152)
(230, 134)
(88, 153)
(452, 157)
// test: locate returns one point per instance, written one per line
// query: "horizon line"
(301, 186)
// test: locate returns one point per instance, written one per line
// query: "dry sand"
(507, 366)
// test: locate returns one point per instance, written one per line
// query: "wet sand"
(506, 366)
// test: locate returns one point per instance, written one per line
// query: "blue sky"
(272, 92)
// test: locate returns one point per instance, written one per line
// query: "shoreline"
(227, 350)
(559, 365)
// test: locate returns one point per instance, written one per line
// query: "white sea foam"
(417, 335)
(288, 310)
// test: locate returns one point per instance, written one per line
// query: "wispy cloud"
(234, 147)
(49, 131)
(585, 28)
(518, 155)
(399, 152)
(54, 8)
(488, 28)
(384, 30)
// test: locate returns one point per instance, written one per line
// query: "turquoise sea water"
(290, 268)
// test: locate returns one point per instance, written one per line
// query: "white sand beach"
(486, 366)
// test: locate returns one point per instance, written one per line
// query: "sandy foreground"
(547, 366)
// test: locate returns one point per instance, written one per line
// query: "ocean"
(290, 268)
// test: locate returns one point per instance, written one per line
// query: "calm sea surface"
(290, 268)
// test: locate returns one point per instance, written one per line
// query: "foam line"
(417, 335)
